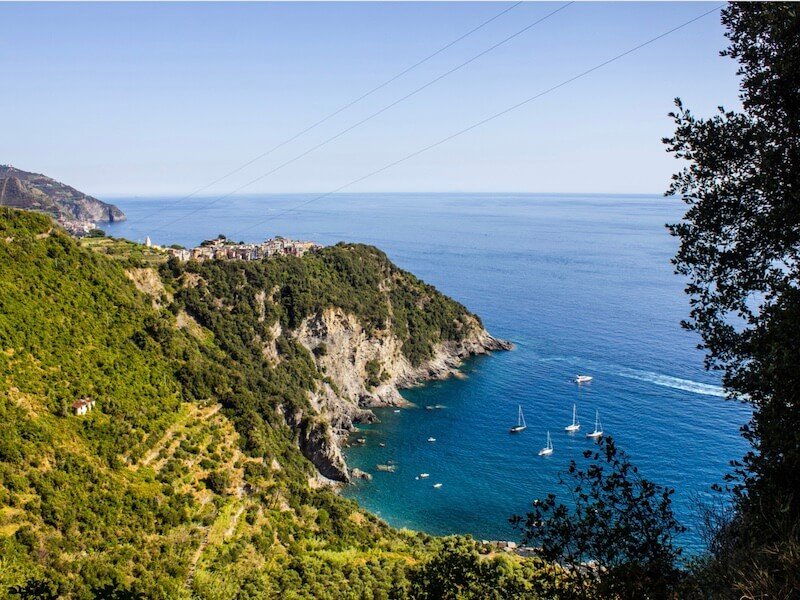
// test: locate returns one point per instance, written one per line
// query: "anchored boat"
(520, 426)
(575, 424)
(547, 450)
(598, 427)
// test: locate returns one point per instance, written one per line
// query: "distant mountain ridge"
(34, 191)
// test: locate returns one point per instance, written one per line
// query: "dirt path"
(229, 530)
(169, 434)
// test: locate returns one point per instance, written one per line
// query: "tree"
(739, 249)
(458, 572)
(618, 538)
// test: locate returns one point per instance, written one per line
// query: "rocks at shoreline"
(349, 351)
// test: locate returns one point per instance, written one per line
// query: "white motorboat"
(583, 378)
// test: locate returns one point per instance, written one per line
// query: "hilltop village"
(222, 248)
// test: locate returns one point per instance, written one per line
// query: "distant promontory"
(73, 209)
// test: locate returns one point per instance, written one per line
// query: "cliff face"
(368, 370)
(33, 191)
(343, 323)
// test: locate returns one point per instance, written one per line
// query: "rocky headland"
(347, 396)
(343, 318)
(34, 191)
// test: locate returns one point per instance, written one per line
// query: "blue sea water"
(580, 284)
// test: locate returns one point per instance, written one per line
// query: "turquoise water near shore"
(580, 284)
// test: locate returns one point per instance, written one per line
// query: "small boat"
(520, 426)
(382, 445)
(598, 427)
(397, 410)
(583, 378)
(429, 407)
(547, 450)
(437, 485)
(362, 440)
(575, 423)
(431, 439)
(424, 475)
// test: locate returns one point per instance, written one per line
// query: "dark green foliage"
(618, 521)
(456, 571)
(375, 374)
(34, 589)
(218, 481)
(356, 279)
(739, 251)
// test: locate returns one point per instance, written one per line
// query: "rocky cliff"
(343, 323)
(33, 191)
(367, 369)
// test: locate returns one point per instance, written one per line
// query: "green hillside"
(186, 479)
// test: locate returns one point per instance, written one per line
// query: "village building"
(223, 249)
(82, 406)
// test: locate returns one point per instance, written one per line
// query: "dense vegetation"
(617, 534)
(186, 480)
(740, 243)
(357, 279)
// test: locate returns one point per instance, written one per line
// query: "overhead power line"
(368, 118)
(483, 121)
(351, 103)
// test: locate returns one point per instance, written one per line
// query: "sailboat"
(547, 449)
(575, 424)
(598, 427)
(520, 422)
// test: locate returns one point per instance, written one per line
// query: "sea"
(581, 284)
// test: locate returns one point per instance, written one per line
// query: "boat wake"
(676, 383)
(668, 381)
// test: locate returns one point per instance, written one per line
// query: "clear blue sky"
(143, 99)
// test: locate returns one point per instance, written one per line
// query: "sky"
(163, 99)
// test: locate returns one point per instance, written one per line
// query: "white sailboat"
(547, 449)
(583, 378)
(598, 427)
(575, 423)
(520, 422)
